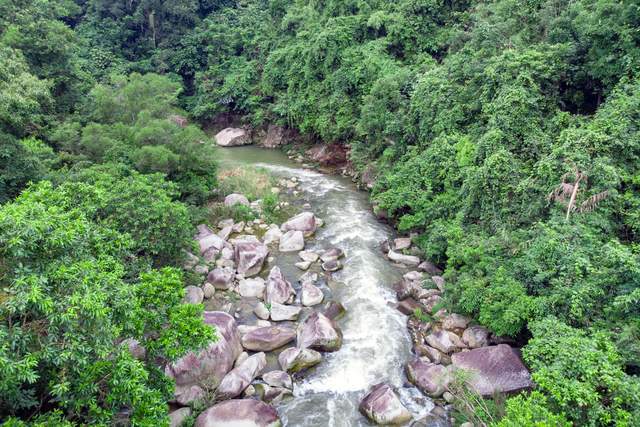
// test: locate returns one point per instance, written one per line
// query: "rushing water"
(376, 344)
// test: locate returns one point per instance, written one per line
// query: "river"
(376, 343)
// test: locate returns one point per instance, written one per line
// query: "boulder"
(475, 336)
(225, 232)
(280, 312)
(278, 289)
(298, 359)
(291, 241)
(303, 265)
(209, 290)
(328, 154)
(268, 338)
(231, 137)
(252, 288)
(212, 363)
(320, 333)
(408, 306)
(430, 378)
(235, 199)
(455, 321)
(193, 295)
(495, 369)
(239, 412)
(250, 256)
(333, 310)
(382, 406)
(136, 349)
(239, 378)
(409, 260)
(211, 242)
(278, 379)
(429, 268)
(189, 394)
(304, 222)
(331, 254)
(439, 281)
(311, 295)
(413, 276)
(331, 265)
(221, 277)
(272, 235)
(178, 417)
(274, 137)
(401, 243)
(261, 311)
(445, 341)
(308, 256)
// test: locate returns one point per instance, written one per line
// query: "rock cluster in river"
(443, 343)
(237, 264)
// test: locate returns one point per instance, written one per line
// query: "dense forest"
(505, 134)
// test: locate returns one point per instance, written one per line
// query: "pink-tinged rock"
(413, 276)
(296, 359)
(328, 154)
(178, 417)
(221, 277)
(250, 256)
(193, 295)
(252, 288)
(268, 338)
(496, 369)
(239, 378)
(439, 281)
(332, 254)
(311, 295)
(444, 341)
(320, 333)
(430, 378)
(429, 268)
(231, 137)
(136, 349)
(278, 289)
(272, 235)
(281, 312)
(408, 306)
(203, 231)
(212, 363)
(333, 310)
(476, 336)
(240, 413)
(225, 232)
(274, 137)
(455, 321)
(382, 406)
(211, 242)
(278, 379)
(236, 199)
(188, 394)
(305, 222)
(409, 260)
(401, 243)
(291, 241)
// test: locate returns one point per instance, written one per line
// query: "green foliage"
(582, 374)
(530, 410)
(68, 298)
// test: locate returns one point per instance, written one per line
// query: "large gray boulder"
(211, 243)
(239, 413)
(240, 377)
(278, 289)
(211, 364)
(250, 256)
(410, 260)
(268, 338)
(475, 336)
(236, 199)
(382, 406)
(296, 359)
(272, 235)
(231, 137)
(430, 378)
(291, 241)
(221, 277)
(278, 379)
(305, 222)
(193, 295)
(320, 333)
(179, 416)
(445, 341)
(495, 369)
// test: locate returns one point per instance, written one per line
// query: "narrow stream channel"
(376, 343)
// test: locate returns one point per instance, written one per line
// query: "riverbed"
(376, 343)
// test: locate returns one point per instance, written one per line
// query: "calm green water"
(376, 344)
